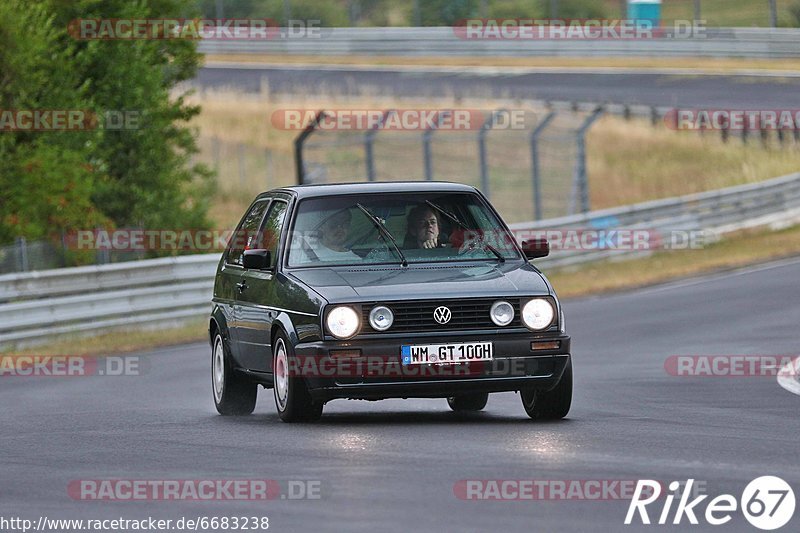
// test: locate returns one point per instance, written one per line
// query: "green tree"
(53, 181)
(46, 179)
(147, 176)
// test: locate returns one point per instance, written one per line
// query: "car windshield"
(397, 228)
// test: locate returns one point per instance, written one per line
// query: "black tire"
(468, 402)
(553, 404)
(292, 399)
(233, 394)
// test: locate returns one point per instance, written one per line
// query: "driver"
(423, 229)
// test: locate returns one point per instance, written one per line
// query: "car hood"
(353, 284)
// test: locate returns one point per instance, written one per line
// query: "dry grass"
(720, 65)
(628, 161)
(122, 341)
(738, 250)
(631, 162)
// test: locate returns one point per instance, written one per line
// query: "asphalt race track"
(640, 88)
(392, 465)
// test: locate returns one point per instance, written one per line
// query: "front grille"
(417, 316)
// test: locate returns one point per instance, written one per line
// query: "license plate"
(424, 354)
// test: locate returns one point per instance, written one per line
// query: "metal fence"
(244, 167)
(544, 163)
(36, 306)
(23, 256)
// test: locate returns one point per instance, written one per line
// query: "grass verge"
(737, 250)
(117, 342)
(709, 65)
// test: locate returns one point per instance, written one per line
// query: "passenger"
(333, 234)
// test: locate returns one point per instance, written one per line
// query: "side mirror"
(536, 248)
(257, 259)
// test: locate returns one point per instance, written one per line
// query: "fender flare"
(284, 321)
(218, 318)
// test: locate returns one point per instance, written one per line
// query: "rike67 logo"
(767, 502)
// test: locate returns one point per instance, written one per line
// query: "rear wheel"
(468, 402)
(292, 398)
(233, 394)
(553, 404)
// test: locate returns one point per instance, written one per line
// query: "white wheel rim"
(531, 400)
(218, 371)
(281, 377)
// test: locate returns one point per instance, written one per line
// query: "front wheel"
(292, 398)
(553, 404)
(468, 402)
(233, 394)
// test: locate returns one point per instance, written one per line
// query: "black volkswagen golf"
(384, 290)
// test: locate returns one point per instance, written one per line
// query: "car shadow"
(398, 418)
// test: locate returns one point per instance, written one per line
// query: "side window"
(271, 230)
(246, 232)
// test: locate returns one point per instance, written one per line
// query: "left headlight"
(538, 314)
(343, 322)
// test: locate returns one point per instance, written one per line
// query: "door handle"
(241, 286)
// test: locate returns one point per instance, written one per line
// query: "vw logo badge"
(442, 315)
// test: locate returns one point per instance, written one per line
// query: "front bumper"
(378, 372)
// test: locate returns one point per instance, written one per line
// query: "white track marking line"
(787, 377)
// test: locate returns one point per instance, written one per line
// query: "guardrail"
(773, 202)
(35, 306)
(443, 41)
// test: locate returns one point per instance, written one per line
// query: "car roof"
(315, 190)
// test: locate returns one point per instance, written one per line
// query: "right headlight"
(538, 314)
(343, 322)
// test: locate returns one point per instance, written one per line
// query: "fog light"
(548, 345)
(344, 354)
(502, 313)
(381, 318)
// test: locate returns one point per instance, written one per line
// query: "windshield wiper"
(453, 218)
(384, 232)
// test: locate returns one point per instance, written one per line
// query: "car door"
(230, 276)
(259, 295)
